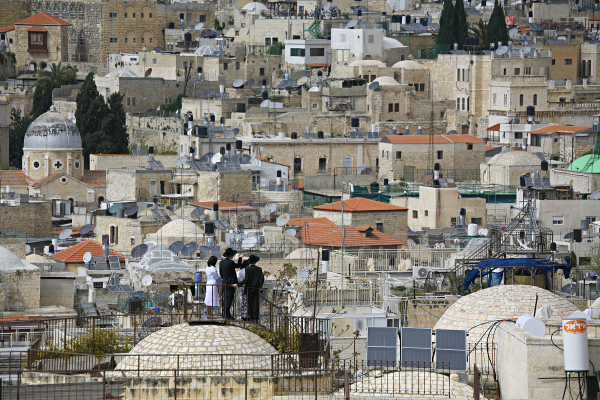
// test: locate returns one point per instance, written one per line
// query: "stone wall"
(425, 313)
(57, 292)
(70, 189)
(20, 287)
(235, 186)
(583, 182)
(103, 162)
(135, 185)
(162, 123)
(35, 218)
(264, 196)
(14, 10)
(15, 245)
(164, 141)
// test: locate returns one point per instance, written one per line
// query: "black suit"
(253, 281)
(227, 270)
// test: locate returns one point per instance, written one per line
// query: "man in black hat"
(253, 283)
(227, 270)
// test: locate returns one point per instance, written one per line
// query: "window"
(380, 227)
(553, 62)
(477, 221)
(415, 214)
(504, 71)
(317, 52)
(133, 15)
(371, 38)
(518, 135)
(453, 221)
(343, 38)
(391, 107)
(261, 72)
(36, 164)
(520, 99)
(143, 39)
(114, 234)
(322, 164)
(556, 140)
(150, 16)
(37, 41)
(82, 38)
(397, 107)
(536, 140)
(422, 85)
(297, 165)
(125, 15)
(463, 104)
(112, 15)
(153, 187)
(81, 12)
(527, 70)
(114, 40)
(315, 105)
(440, 155)
(558, 220)
(142, 15)
(469, 146)
(426, 213)
(98, 285)
(74, 37)
(535, 99)
(73, 12)
(133, 242)
(505, 99)
(225, 66)
(458, 103)
(591, 219)
(458, 74)
(297, 52)
(398, 155)
(237, 65)
(517, 71)
(494, 99)
(154, 61)
(393, 322)
(568, 61)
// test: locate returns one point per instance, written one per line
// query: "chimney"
(151, 153)
(192, 151)
(462, 217)
(215, 211)
(531, 17)
(228, 149)
(105, 243)
(555, 35)
(404, 20)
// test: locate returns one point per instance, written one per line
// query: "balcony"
(519, 78)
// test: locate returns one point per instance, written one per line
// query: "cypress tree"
(497, 29)
(446, 34)
(42, 99)
(460, 23)
(89, 114)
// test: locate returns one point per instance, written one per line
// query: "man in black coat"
(227, 270)
(253, 283)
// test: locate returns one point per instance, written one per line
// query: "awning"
(37, 29)
(494, 127)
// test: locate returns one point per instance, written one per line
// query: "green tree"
(113, 127)
(42, 99)
(89, 115)
(481, 31)
(16, 135)
(497, 29)
(446, 32)
(59, 75)
(461, 27)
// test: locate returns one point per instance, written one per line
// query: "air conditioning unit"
(420, 272)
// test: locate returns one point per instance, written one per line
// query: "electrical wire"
(552, 340)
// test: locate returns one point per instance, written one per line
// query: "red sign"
(509, 20)
(575, 326)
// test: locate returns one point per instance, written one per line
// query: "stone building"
(507, 168)
(202, 186)
(73, 256)
(178, 230)
(562, 143)
(60, 185)
(32, 217)
(359, 211)
(354, 238)
(135, 184)
(40, 40)
(126, 233)
(20, 286)
(4, 129)
(401, 154)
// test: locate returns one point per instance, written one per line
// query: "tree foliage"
(42, 99)
(497, 29)
(446, 32)
(176, 104)
(461, 27)
(18, 128)
(58, 75)
(481, 31)
(95, 342)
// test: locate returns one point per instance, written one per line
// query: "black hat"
(253, 259)
(229, 252)
(212, 261)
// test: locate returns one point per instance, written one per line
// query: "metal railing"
(412, 174)
(7, 233)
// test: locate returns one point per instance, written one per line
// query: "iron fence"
(484, 356)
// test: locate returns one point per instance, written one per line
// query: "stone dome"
(52, 130)
(408, 64)
(389, 43)
(121, 72)
(514, 158)
(386, 81)
(179, 228)
(8, 260)
(500, 302)
(201, 339)
(367, 63)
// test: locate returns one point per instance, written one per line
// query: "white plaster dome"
(367, 63)
(408, 64)
(255, 6)
(8, 260)
(179, 228)
(389, 43)
(121, 72)
(52, 130)
(386, 81)
(160, 350)
(515, 158)
(500, 302)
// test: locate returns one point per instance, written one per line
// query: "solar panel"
(126, 289)
(352, 135)
(135, 152)
(101, 263)
(415, 347)
(451, 347)
(215, 251)
(204, 252)
(223, 225)
(443, 182)
(313, 136)
(113, 261)
(360, 135)
(369, 135)
(88, 309)
(306, 135)
(375, 135)
(382, 346)
(143, 153)
(461, 230)
(225, 95)
(102, 307)
(114, 289)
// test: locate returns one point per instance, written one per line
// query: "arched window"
(56, 10)
(73, 11)
(535, 99)
(521, 100)
(73, 37)
(100, 200)
(40, 6)
(65, 11)
(82, 38)
(81, 12)
(48, 8)
(114, 234)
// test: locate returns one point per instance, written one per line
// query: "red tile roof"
(301, 185)
(94, 178)
(331, 236)
(488, 148)
(7, 29)
(223, 205)
(494, 127)
(37, 29)
(596, 18)
(44, 19)
(359, 204)
(14, 178)
(75, 230)
(302, 221)
(437, 139)
(74, 254)
(47, 179)
(547, 130)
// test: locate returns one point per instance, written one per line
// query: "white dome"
(205, 50)
(389, 43)
(386, 81)
(121, 72)
(367, 63)
(256, 7)
(518, 157)
(408, 64)
(8, 260)
(162, 260)
(180, 228)
(52, 130)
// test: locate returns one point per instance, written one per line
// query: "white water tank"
(281, 135)
(575, 344)
(472, 230)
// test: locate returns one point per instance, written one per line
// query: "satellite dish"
(238, 83)
(249, 83)
(249, 242)
(283, 219)
(570, 289)
(65, 234)
(85, 229)
(526, 50)
(189, 249)
(181, 161)
(373, 85)
(87, 257)
(199, 26)
(271, 207)
(148, 72)
(513, 32)
(291, 232)
(579, 315)
(216, 158)
(327, 7)
(305, 272)
(502, 50)
(483, 232)
(95, 230)
(206, 33)
(313, 89)
(157, 49)
(452, 132)
(118, 205)
(176, 247)
(302, 81)
(351, 24)
(235, 131)
(147, 280)
(112, 209)
(139, 250)
(131, 210)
